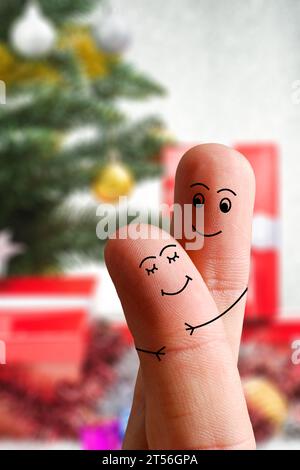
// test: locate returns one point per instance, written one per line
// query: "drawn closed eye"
(152, 270)
(173, 258)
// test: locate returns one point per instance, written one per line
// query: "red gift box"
(44, 320)
(34, 338)
(263, 293)
(66, 286)
(280, 332)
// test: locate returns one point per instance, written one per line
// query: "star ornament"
(8, 249)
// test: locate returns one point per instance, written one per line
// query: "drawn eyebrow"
(226, 189)
(167, 246)
(199, 184)
(147, 257)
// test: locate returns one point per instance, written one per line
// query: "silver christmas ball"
(112, 34)
(32, 35)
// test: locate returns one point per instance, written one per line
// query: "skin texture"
(224, 259)
(192, 398)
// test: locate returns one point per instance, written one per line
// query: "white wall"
(228, 66)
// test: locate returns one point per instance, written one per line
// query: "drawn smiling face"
(222, 199)
(217, 186)
(167, 254)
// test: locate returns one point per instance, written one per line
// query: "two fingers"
(192, 398)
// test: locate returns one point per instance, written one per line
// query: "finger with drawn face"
(219, 181)
(193, 394)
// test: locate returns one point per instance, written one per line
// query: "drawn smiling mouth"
(188, 278)
(206, 234)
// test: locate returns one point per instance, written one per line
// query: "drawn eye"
(152, 270)
(225, 205)
(198, 200)
(173, 258)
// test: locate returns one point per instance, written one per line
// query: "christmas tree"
(63, 70)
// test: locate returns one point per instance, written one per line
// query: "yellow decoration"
(267, 399)
(94, 61)
(113, 181)
(14, 70)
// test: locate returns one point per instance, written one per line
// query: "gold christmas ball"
(264, 396)
(113, 181)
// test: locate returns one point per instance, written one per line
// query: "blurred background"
(100, 99)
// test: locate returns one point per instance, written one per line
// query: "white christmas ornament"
(8, 249)
(33, 35)
(112, 34)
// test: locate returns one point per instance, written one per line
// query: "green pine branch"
(59, 107)
(38, 171)
(124, 81)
